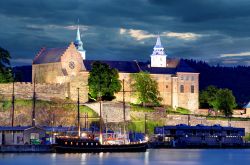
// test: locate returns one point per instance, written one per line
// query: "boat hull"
(103, 148)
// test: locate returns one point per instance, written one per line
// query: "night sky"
(216, 31)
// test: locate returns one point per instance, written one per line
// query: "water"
(155, 157)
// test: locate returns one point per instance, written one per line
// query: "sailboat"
(88, 143)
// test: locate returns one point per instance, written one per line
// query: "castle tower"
(78, 44)
(158, 57)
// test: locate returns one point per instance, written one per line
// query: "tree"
(225, 101)
(146, 88)
(5, 71)
(218, 99)
(103, 81)
(208, 96)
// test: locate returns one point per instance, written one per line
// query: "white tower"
(158, 57)
(78, 44)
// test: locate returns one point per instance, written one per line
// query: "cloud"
(141, 34)
(230, 62)
(242, 54)
(51, 26)
(74, 27)
(191, 29)
(122, 31)
(183, 36)
(22, 61)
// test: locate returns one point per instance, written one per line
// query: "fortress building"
(178, 83)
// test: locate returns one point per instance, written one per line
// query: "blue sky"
(216, 31)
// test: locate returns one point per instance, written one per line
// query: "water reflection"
(154, 157)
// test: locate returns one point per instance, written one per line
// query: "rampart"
(24, 90)
(170, 119)
(112, 112)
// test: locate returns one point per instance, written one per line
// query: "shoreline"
(50, 148)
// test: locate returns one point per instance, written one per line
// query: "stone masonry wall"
(43, 91)
(194, 120)
(187, 99)
(112, 112)
(165, 86)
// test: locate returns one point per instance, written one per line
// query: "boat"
(75, 144)
(86, 142)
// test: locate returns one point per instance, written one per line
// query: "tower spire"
(158, 42)
(158, 57)
(78, 42)
(78, 34)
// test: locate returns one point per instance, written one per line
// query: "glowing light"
(146, 138)
(83, 134)
(100, 138)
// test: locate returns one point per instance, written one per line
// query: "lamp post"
(78, 113)
(145, 124)
(34, 103)
(189, 120)
(100, 104)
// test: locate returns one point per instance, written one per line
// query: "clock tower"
(158, 57)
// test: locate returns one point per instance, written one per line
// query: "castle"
(177, 82)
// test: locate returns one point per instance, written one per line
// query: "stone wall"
(112, 112)
(169, 89)
(47, 73)
(236, 113)
(47, 91)
(80, 81)
(194, 120)
(187, 99)
(43, 91)
(59, 72)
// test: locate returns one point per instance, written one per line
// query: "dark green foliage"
(5, 71)
(103, 81)
(146, 89)
(207, 96)
(235, 78)
(218, 99)
(6, 77)
(225, 101)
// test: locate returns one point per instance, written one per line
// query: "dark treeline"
(235, 78)
(23, 73)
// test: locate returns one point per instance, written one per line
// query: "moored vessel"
(76, 144)
(88, 142)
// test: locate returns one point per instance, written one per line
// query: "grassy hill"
(47, 112)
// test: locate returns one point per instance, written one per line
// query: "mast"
(13, 101)
(124, 106)
(78, 113)
(100, 103)
(34, 103)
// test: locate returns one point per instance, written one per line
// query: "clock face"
(71, 65)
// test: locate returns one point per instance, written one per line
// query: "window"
(181, 77)
(187, 78)
(192, 88)
(182, 88)
(192, 78)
